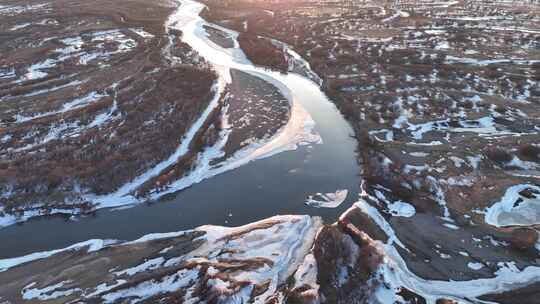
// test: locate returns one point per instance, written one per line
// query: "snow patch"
(514, 209)
(400, 208)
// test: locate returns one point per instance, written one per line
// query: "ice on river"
(327, 200)
(515, 208)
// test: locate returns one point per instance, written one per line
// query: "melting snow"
(515, 209)
(397, 275)
(92, 245)
(400, 208)
(142, 33)
(475, 266)
(298, 131)
(148, 289)
(74, 104)
(46, 293)
(148, 265)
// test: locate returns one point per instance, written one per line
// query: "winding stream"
(276, 183)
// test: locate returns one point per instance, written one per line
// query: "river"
(277, 184)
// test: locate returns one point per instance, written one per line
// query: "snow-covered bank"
(124, 195)
(231, 263)
(226, 262)
(508, 277)
(397, 275)
(90, 246)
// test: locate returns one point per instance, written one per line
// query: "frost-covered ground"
(280, 259)
(209, 263)
(444, 99)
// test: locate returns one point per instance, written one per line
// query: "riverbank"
(256, 111)
(290, 258)
(296, 258)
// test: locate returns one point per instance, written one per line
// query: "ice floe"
(327, 200)
(475, 266)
